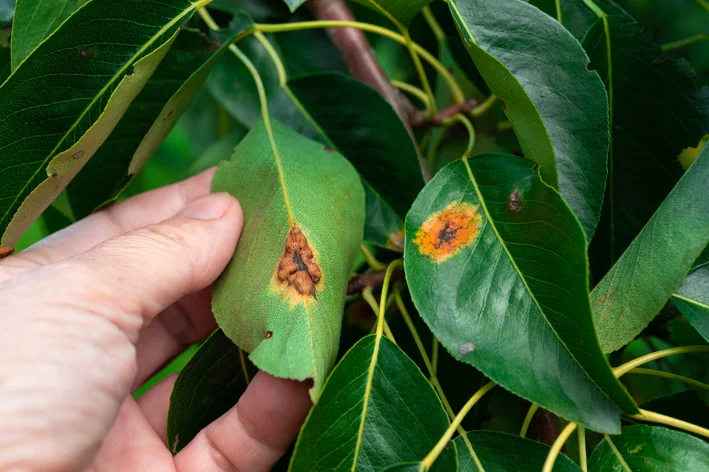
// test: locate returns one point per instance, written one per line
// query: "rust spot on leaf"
(269, 334)
(514, 201)
(446, 232)
(78, 155)
(396, 241)
(328, 149)
(6, 251)
(298, 269)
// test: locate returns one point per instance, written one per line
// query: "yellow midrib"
(100, 94)
(365, 400)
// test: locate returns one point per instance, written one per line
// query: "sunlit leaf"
(282, 296)
(209, 385)
(151, 116)
(653, 267)
(54, 122)
(496, 264)
(377, 410)
(558, 108)
(651, 449)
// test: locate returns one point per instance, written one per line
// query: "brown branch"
(371, 279)
(363, 64)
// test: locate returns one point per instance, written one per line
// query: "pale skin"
(90, 313)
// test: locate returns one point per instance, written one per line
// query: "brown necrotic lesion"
(298, 267)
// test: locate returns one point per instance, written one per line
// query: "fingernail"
(211, 207)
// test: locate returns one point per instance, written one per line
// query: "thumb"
(133, 277)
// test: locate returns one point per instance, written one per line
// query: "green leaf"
(294, 4)
(686, 406)
(399, 11)
(7, 11)
(692, 299)
(497, 267)
(651, 449)
(382, 226)
(209, 385)
(34, 21)
(216, 152)
(282, 296)
(54, 122)
(657, 111)
(446, 462)
(151, 116)
(377, 410)
(501, 452)
(558, 108)
(575, 15)
(653, 267)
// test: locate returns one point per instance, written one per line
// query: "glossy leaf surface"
(289, 321)
(368, 424)
(403, 11)
(501, 452)
(692, 299)
(653, 267)
(151, 116)
(559, 110)
(209, 385)
(88, 83)
(651, 449)
(34, 21)
(652, 124)
(497, 267)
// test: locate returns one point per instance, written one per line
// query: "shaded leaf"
(686, 406)
(282, 296)
(446, 462)
(657, 111)
(216, 152)
(653, 267)
(294, 4)
(151, 116)
(501, 452)
(402, 11)
(497, 267)
(575, 15)
(377, 410)
(87, 86)
(34, 21)
(651, 449)
(209, 385)
(692, 299)
(558, 108)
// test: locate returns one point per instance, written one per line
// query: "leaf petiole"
(556, 447)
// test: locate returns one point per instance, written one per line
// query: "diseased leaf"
(377, 409)
(501, 452)
(651, 449)
(209, 385)
(653, 267)
(497, 267)
(402, 11)
(151, 116)
(558, 108)
(692, 299)
(54, 122)
(282, 296)
(657, 111)
(34, 21)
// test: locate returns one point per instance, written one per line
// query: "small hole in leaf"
(466, 349)
(269, 334)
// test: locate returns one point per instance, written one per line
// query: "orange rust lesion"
(6, 251)
(445, 233)
(298, 271)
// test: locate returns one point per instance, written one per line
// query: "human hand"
(93, 311)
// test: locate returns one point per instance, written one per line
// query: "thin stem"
(596, 9)
(704, 4)
(419, 70)
(372, 302)
(432, 370)
(484, 107)
(385, 289)
(558, 10)
(652, 417)
(428, 461)
(434, 356)
(556, 447)
(415, 91)
(617, 453)
(282, 76)
(242, 359)
(265, 115)
(471, 132)
(433, 24)
(669, 375)
(528, 419)
(628, 366)
(372, 261)
(456, 91)
(582, 448)
(685, 42)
